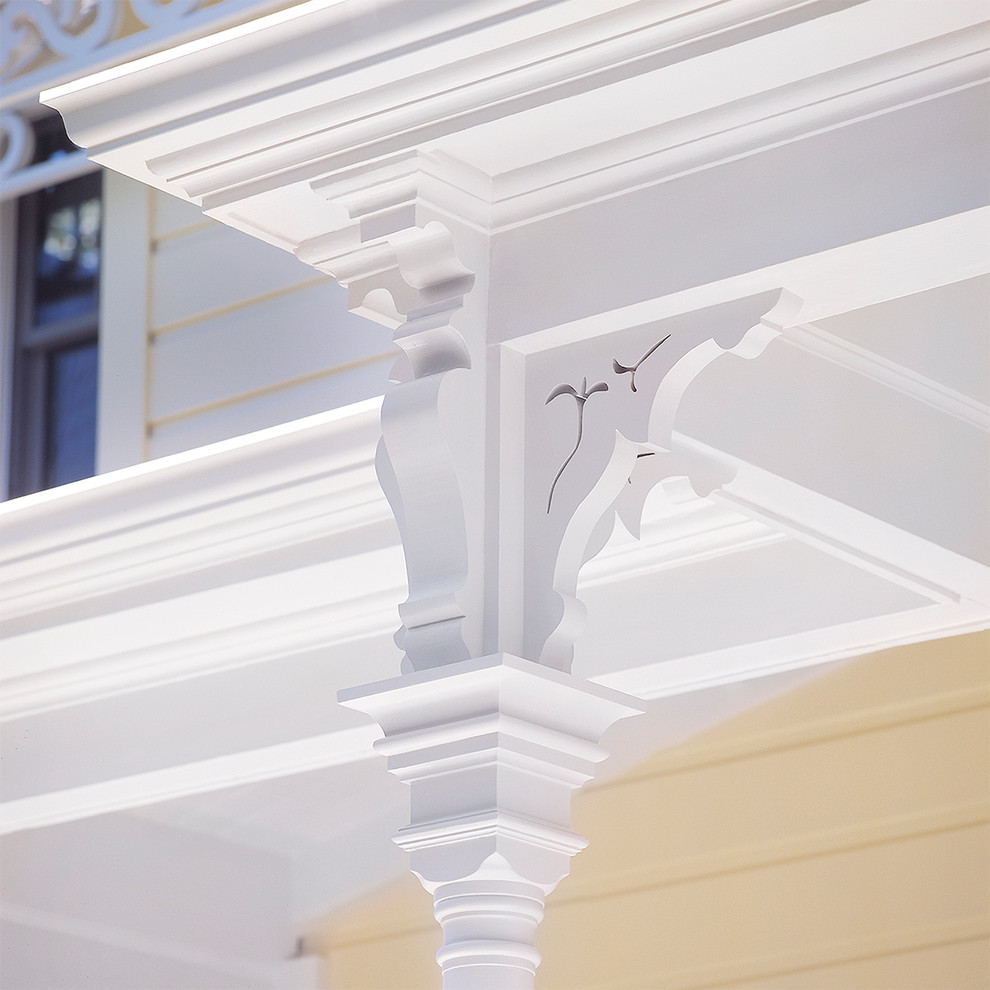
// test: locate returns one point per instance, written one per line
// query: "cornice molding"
(456, 65)
(293, 121)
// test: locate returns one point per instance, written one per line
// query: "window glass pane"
(50, 139)
(67, 262)
(71, 441)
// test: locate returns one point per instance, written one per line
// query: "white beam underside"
(200, 777)
(830, 283)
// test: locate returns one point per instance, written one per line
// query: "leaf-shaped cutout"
(562, 390)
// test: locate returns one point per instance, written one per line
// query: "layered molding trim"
(234, 176)
(542, 57)
(132, 536)
(712, 137)
(221, 503)
(491, 749)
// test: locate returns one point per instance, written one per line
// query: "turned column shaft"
(488, 934)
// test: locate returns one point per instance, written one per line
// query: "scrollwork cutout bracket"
(624, 428)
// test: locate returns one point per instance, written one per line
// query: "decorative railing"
(36, 34)
(47, 42)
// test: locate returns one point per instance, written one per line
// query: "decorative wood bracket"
(408, 277)
(578, 478)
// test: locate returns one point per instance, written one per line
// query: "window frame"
(27, 346)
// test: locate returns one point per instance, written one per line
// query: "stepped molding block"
(492, 749)
(408, 277)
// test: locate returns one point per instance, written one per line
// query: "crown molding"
(457, 64)
(229, 139)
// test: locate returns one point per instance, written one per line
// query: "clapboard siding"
(257, 347)
(256, 411)
(209, 269)
(239, 336)
(170, 215)
(835, 837)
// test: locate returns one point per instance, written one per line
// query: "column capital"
(492, 748)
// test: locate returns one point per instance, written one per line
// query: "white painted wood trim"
(814, 340)
(200, 777)
(113, 938)
(124, 300)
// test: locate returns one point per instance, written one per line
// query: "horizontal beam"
(199, 777)
(833, 282)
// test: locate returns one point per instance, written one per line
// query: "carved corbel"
(604, 455)
(407, 276)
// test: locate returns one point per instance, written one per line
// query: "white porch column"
(491, 748)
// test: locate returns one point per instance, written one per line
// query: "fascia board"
(832, 282)
(315, 55)
(723, 133)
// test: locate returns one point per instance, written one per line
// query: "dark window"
(53, 439)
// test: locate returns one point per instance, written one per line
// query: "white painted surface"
(819, 497)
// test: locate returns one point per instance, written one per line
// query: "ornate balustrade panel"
(45, 42)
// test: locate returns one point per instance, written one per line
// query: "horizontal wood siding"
(243, 336)
(835, 837)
